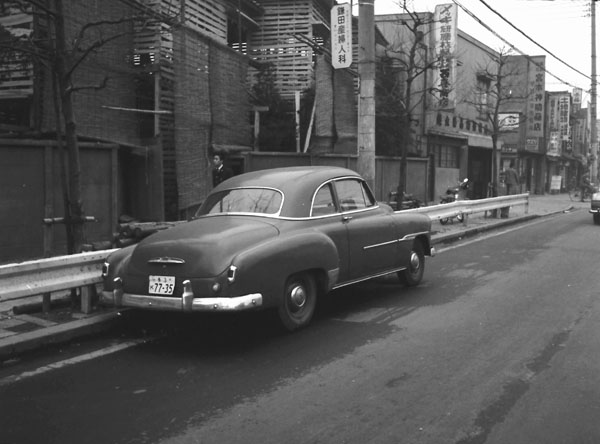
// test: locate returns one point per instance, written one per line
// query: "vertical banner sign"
(536, 85)
(445, 17)
(564, 125)
(553, 144)
(577, 93)
(341, 36)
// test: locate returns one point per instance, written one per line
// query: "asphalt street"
(28, 329)
(497, 345)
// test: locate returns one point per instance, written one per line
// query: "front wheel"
(413, 274)
(299, 301)
(444, 220)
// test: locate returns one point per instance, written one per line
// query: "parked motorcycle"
(453, 194)
(408, 201)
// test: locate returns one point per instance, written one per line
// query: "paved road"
(498, 345)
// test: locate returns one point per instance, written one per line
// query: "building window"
(446, 156)
(482, 95)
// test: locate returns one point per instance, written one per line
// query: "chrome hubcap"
(415, 262)
(298, 297)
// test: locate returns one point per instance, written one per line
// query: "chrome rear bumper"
(187, 302)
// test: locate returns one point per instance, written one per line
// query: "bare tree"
(497, 90)
(403, 87)
(62, 55)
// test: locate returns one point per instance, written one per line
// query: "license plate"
(164, 285)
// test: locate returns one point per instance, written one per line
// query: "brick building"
(157, 96)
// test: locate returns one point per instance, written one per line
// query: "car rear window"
(243, 200)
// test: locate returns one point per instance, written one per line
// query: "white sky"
(563, 27)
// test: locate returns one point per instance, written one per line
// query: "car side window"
(353, 195)
(323, 203)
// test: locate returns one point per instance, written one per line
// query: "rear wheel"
(413, 274)
(299, 301)
(444, 220)
(597, 218)
(575, 193)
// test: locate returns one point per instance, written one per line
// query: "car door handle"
(346, 218)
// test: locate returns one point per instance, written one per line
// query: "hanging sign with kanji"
(341, 36)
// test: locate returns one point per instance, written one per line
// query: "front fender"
(265, 268)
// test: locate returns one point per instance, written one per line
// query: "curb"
(469, 232)
(19, 343)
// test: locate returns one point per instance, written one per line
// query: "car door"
(373, 245)
(327, 217)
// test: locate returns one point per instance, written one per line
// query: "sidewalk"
(539, 206)
(20, 332)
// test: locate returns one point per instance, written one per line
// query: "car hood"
(201, 248)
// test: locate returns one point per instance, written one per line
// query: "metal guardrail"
(45, 276)
(468, 207)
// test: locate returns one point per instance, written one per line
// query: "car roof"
(297, 184)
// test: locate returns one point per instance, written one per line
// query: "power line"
(474, 17)
(533, 41)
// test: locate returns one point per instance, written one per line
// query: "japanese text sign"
(341, 36)
(536, 94)
(445, 46)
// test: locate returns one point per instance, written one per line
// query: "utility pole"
(366, 105)
(593, 117)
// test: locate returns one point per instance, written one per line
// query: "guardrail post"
(46, 303)
(88, 294)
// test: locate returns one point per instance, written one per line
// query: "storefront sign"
(508, 121)
(577, 93)
(535, 101)
(564, 110)
(532, 144)
(341, 36)
(445, 17)
(553, 148)
(555, 183)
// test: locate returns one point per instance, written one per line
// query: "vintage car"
(271, 239)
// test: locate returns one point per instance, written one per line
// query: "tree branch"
(94, 46)
(93, 87)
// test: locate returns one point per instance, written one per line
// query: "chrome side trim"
(412, 236)
(408, 237)
(382, 244)
(355, 281)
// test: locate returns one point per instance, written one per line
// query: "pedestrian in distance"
(220, 171)
(585, 185)
(511, 178)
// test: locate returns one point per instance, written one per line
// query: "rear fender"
(265, 268)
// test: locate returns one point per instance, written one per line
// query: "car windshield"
(243, 200)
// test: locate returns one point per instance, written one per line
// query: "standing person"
(585, 185)
(220, 172)
(511, 178)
